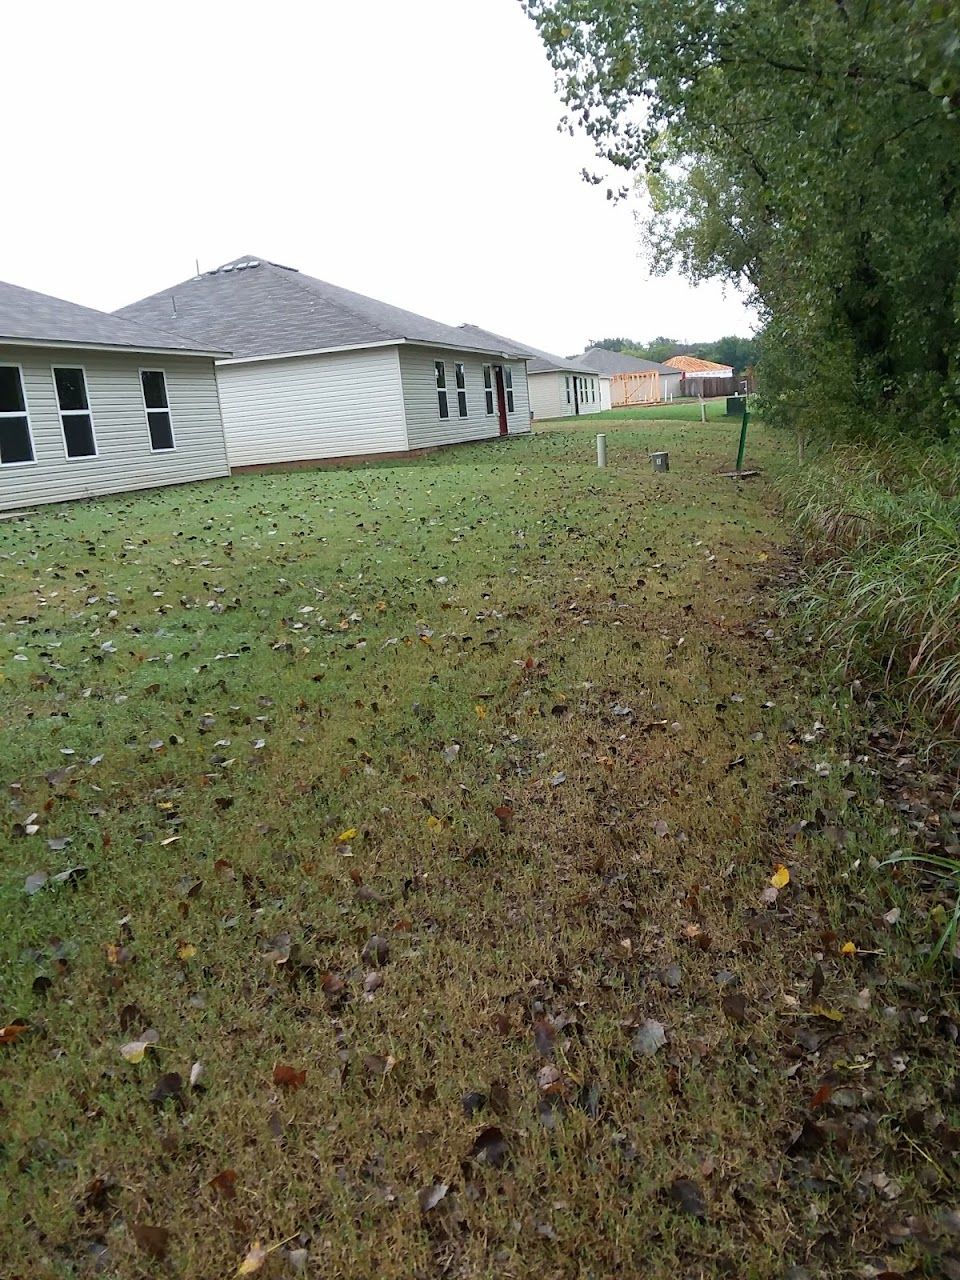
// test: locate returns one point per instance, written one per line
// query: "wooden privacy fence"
(708, 387)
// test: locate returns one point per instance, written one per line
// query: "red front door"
(501, 400)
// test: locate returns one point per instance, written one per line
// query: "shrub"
(881, 535)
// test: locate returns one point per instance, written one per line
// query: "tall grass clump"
(880, 528)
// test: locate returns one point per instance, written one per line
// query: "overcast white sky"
(408, 151)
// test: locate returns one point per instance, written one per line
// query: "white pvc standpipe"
(601, 451)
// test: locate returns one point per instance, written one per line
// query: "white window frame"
(75, 413)
(460, 384)
(147, 411)
(31, 462)
(443, 395)
(508, 388)
(488, 390)
(566, 378)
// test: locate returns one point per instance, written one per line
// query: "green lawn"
(433, 808)
(678, 411)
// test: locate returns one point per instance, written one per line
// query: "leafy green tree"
(611, 344)
(740, 353)
(808, 151)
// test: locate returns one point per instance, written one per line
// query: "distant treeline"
(740, 353)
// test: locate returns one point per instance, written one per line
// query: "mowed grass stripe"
(537, 695)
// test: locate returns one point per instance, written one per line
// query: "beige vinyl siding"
(548, 397)
(425, 427)
(669, 386)
(591, 393)
(310, 407)
(124, 458)
(548, 394)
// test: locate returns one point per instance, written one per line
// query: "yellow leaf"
(481, 712)
(781, 876)
(434, 823)
(848, 949)
(134, 1051)
(938, 915)
(832, 1015)
(349, 834)
(256, 1257)
(186, 951)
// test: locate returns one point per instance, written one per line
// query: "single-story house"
(703, 377)
(93, 404)
(559, 388)
(634, 380)
(319, 372)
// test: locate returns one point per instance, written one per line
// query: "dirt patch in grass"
(478, 830)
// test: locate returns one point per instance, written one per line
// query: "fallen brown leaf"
(288, 1077)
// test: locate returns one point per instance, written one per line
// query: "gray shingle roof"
(254, 307)
(27, 316)
(537, 361)
(614, 362)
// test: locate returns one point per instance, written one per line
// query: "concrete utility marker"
(601, 451)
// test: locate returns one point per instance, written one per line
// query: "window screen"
(15, 442)
(75, 417)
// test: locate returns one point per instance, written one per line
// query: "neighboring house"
(703, 377)
(632, 379)
(320, 372)
(559, 388)
(93, 404)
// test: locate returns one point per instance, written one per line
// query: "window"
(441, 369)
(16, 444)
(508, 384)
(154, 385)
(567, 380)
(488, 386)
(461, 389)
(76, 421)
(593, 390)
